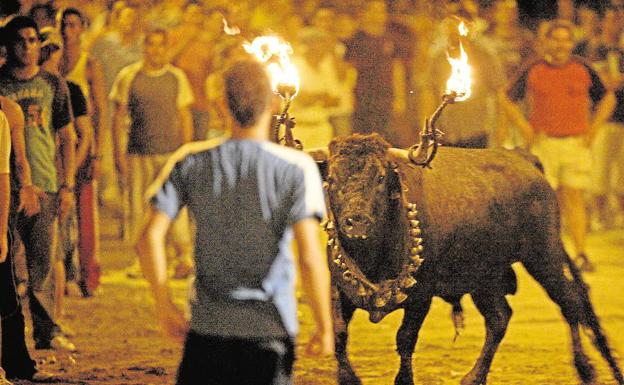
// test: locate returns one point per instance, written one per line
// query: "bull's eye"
(381, 178)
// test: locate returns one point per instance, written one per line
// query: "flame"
(460, 81)
(230, 30)
(276, 53)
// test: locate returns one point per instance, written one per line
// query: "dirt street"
(119, 341)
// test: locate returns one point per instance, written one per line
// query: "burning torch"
(284, 81)
(458, 88)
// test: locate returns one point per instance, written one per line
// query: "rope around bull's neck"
(389, 294)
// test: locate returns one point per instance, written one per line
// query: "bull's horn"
(399, 296)
(319, 154)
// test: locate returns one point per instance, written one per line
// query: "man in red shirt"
(567, 102)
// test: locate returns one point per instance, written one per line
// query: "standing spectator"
(5, 203)
(320, 95)
(114, 49)
(192, 51)
(156, 96)
(45, 101)
(79, 68)
(608, 148)
(561, 90)
(371, 52)
(248, 196)
(14, 357)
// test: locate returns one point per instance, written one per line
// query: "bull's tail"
(592, 324)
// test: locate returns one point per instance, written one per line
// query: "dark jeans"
(211, 360)
(15, 358)
(38, 234)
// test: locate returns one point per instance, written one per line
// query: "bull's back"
(477, 208)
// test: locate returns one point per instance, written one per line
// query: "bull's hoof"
(403, 379)
(585, 369)
(348, 377)
(472, 379)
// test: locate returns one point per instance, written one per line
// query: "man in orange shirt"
(567, 103)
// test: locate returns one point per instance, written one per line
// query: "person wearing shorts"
(567, 103)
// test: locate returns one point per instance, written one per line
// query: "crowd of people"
(96, 96)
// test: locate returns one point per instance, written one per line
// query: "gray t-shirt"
(153, 100)
(244, 195)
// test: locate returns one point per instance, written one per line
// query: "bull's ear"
(320, 156)
(394, 182)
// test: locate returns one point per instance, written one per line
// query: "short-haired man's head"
(66, 13)
(13, 37)
(559, 24)
(13, 26)
(154, 33)
(248, 91)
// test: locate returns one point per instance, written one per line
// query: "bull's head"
(362, 185)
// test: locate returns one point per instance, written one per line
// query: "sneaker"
(59, 342)
(39, 376)
(134, 271)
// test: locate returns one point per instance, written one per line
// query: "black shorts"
(212, 360)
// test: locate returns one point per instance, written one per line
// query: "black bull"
(400, 235)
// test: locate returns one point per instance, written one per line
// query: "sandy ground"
(119, 341)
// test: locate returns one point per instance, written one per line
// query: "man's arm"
(100, 104)
(152, 256)
(5, 199)
(67, 136)
(516, 116)
(603, 111)
(119, 134)
(316, 282)
(28, 193)
(84, 131)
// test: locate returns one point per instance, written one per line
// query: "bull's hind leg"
(554, 275)
(343, 312)
(494, 307)
(406, 339)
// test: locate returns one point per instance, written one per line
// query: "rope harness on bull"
(382, 298)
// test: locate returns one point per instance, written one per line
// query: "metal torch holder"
(423, 153)
(289, 123)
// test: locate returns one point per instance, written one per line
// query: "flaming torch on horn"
(458, 89)
(284, 79)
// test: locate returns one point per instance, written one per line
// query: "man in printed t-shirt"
(248, 196)
(45, 101)
(567, 103)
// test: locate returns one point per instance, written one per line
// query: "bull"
(401, 234)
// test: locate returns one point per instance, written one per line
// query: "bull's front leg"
(406, 338)
(343, 312)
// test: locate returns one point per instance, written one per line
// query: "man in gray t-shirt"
(248, 197)
(156, 96)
